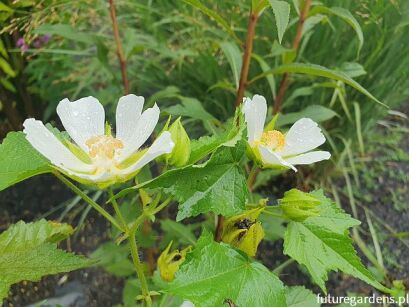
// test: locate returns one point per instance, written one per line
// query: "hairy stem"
(296, 43)
(117, 210)
(119, 50)
(139, 269)
(86, 198)
(131, 232)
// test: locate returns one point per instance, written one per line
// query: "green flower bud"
(181, 152)
(298, 205)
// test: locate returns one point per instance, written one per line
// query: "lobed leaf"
(215, 273)
(29, 251)
(219, 185)
(322, 244)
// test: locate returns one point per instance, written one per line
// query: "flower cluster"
(96, 156)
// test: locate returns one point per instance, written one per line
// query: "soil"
(31, 199)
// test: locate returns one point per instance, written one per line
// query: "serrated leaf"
(281, 10)
(29, 251)
(300, 297)
(205, 145)
(215, 272)
(233, 55)
(19, 160)
(322, 244)
(219, 185)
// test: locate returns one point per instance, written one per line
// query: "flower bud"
(244, 231)
(168, 263)
(298, 205)
(181, 152)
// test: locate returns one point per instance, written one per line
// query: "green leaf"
(320, 71)
(352, 69)
(207, 144)
(300, 297)
(5, 66)
(233, 55)
(281, 10)
(322, 244)
(219, 185)
(190, 107)
(212, 14)
(66, 31)
(345, 15)
(215, 272)
(114, 259)
(29, 251)
(179, 231)
(19, 160)
(316, 112)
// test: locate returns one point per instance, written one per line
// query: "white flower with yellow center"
(276, 149)
(100, 158)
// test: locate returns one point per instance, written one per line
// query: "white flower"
(103, 159)
(187, 304)
(277, 149)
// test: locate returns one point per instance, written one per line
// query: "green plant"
(198, 61)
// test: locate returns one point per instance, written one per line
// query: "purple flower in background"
(42, 40)
(21, 43)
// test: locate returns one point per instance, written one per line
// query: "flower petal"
(255, 112)
(142, 130)
(303, 136)
(309, 157)
(82, 119)
(162, 145)
(128, 112)
(271, 158)
(50, 147)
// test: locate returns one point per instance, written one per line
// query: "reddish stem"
(119, 50)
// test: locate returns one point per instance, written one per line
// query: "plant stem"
(85, 197)
(252, 177)
(282, 266)
(117, 210)
(139, 269)
(296, 43)
(248, 48)
(130, 232)
(119, 50)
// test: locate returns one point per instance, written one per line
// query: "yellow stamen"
(103, 146)
(273, 139)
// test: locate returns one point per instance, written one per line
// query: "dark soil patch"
(31, 199)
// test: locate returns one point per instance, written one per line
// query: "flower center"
(103, 146)
(273, 139)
